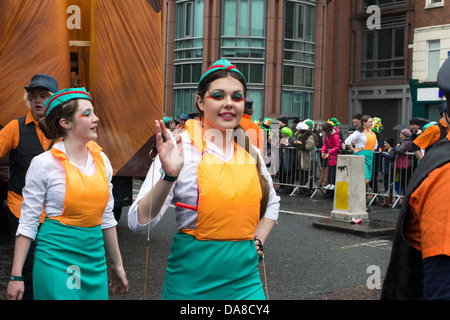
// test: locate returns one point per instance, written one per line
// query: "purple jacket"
(332, 144)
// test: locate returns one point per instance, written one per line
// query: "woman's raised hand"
(171, 156)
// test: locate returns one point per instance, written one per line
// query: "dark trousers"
(27, 271)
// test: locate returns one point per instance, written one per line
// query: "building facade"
(431, 46)
(273, 43)
(320, 59)
(381, 61)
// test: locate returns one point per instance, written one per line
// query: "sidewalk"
(381, 222)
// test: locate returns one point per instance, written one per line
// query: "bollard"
(350, 191)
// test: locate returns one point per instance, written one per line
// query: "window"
(385, 3)
(298, 57)
(184, 101)
(188, 73)
(433, 4)
(383, 50)
(299, 32)
(434, 48)
(243, 29)
(188, 54)
(243, 43)
(298, 102)
(189, 30)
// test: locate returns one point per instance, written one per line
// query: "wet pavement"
(304, 261)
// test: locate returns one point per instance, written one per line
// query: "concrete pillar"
(350, 189)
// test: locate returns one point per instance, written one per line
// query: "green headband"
(222, 64)
(65, 95)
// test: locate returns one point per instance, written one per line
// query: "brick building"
(278, 45)
(431, 46)
(320, 59)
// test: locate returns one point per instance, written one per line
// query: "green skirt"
(368, 160)
(69, 263)
(212, 270)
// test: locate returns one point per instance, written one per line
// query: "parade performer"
(419, 266)
(22, 139)
(225, 202)
(73, 182)
(365, 143)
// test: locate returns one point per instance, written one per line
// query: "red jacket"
(332, 144)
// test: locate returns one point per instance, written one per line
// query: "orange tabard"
(86, 196)
(371, 140)
(229, 193)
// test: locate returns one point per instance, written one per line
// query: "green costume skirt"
(368, 156)
(69, 263)
(212, 270)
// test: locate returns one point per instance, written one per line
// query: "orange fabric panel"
(33, 39)
(86, 196)
(427, 228)
(125, 75)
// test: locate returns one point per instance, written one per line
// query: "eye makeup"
(219, 95)
(86, 113)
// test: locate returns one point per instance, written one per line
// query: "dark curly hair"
(50, 124)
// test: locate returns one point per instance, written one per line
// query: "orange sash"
(229, 193)
(86, 196)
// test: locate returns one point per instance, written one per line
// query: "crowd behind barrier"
(388, 184)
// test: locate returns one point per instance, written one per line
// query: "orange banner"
(33, 40)
(115, 52)
(126, 75)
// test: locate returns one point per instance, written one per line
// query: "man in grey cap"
(22, 139)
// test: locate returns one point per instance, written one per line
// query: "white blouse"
(45, 184)
(359, 138)
(184, 190)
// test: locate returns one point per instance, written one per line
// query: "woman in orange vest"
(365, 141)
(226, 204)
(73, 182)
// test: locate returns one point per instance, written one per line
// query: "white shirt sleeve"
(108, 219)
(273, 205)
(34, 192)
(153, 175)
(359, 138)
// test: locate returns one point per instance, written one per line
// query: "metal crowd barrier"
(390, 185)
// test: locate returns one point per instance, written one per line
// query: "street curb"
(372, 228)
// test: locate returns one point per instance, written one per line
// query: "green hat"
(222, 64)
(166, 119)
(64, 95)
(310, 123)
(334, 122)
(377, 126)
(266, 124)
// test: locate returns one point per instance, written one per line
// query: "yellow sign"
(341, 195)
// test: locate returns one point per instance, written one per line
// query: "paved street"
(302, 262)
